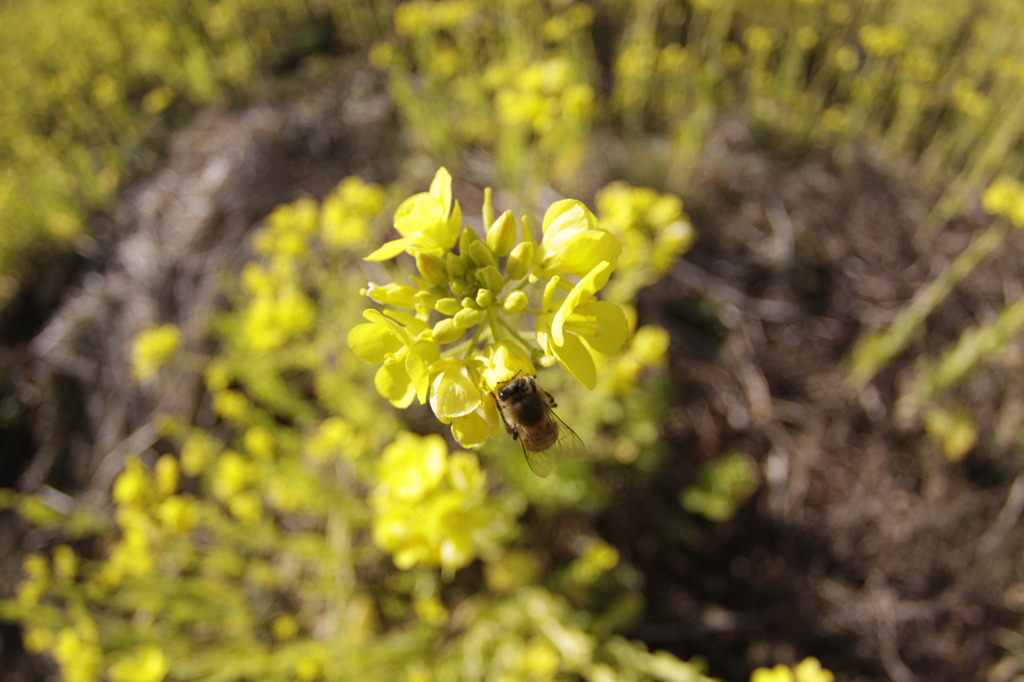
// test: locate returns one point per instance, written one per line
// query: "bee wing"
(568, 443)
(538, 460)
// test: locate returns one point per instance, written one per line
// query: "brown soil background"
(862, 546)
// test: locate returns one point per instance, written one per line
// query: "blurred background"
(805, 465)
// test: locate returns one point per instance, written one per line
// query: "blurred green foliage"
(721, 487)
(95, 85)
(311, 535)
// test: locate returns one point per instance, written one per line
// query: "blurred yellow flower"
(152, 349)
(146, 664)
(430, 508)
(807, 670)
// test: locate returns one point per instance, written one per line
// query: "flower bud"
(491, 278)
(466, 239)
(455, 266)
(398, 295)
(527, 223)
(432, 267)
(467, 317)
(480, 254)
(446, 331)
(501, 235)
(520, 260)
(514, 302)
(484, 297)
(488, 207)
(447, 306)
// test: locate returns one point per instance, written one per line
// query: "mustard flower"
(272, 318)
(152, 349)
(426, 221)
(405, 346)
(581, 324)
(807, 670)
(78, 652)
(1005, 197)
(653, 227)
(346, 214)
(430, 508)
(455, 333)
(572, 243)
(147, 664)
(457, 399)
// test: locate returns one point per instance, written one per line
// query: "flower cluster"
(807, 670)
(653, 227)
(447, 496)
(279, 309)
(466, 323)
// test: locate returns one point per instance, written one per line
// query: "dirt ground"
(862, 546)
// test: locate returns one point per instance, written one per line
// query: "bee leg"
(508, 427)
(551, 399)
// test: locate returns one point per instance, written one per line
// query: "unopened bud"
(446, 331)
(488, 207)
(432, 268)
(467, 317)
(520, 260)
(491, 278)
(447, 306)
(481, 254)
(454, 266)
(466, 239)
(501, 235)
(514, 302)
(484, 297)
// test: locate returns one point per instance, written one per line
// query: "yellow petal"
(372, 343)
(392, 381)
(390, 249)
(575, 357)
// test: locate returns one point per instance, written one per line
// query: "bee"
(526, 409)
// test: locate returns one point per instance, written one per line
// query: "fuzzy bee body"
(526, 409)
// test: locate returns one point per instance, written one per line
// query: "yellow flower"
(500, 362)
(1005, 197)
(808, 670)
(152, 349)
(430, 508)
(346, 214)
(426, 221)
(334, 437)
(572, 243)
(259, 442)
(457, 399)
(234, 474)
(132, 484)
(166, 475)
(274, 317)
(580, 324)
(652, 226)
(412, 466)
(78, 652)
(146, 664)
(882, 41)
(404, 347)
